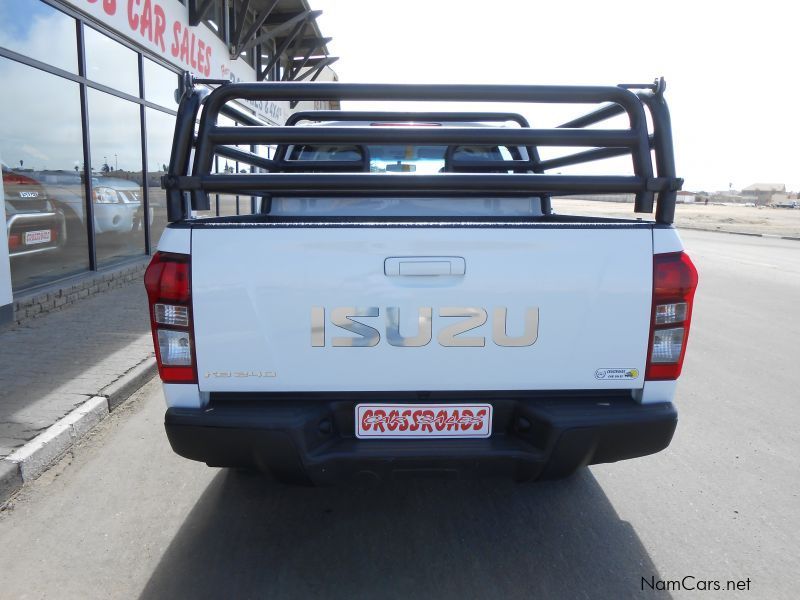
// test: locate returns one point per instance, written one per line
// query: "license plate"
(41, 236)
(423, 421)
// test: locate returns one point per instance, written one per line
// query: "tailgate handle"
(425, 266)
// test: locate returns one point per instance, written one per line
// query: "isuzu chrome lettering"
(405, 299)
(450, 335)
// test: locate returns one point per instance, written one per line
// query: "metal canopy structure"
(280, 37)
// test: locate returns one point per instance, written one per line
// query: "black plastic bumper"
(310, 438)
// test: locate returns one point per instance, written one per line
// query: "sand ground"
(739, 219)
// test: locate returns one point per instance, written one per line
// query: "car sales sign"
(162, 26)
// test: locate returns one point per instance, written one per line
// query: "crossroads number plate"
(415, 421)
(41, 236)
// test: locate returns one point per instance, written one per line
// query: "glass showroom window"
(228, 203)
(38, 31)
(110, 63)
(42, 165)
(215, 18)
(160, 85)
(116, 150)
(160, 126)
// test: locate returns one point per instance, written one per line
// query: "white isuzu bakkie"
(403, 299)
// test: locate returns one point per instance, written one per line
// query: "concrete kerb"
(36, 456)
(126, 385)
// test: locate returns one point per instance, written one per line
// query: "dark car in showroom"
(33, 224)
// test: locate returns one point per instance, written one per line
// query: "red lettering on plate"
(366, 419)
(404, 420)
(413, 420)
(479, 420)
(380, 417)
(452, 421)
(426, 418)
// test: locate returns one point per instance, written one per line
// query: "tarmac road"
(122, 517)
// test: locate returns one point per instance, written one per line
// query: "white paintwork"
(666, 240)
(253, 291)
(655, 391)
(184, 395)
(175, 240)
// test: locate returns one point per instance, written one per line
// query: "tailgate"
(269, 303)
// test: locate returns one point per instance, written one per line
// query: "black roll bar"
(524, 176)
(403, 117)
(383, 184)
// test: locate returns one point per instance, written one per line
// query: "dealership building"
(88, 109)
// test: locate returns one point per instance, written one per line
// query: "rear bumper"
(310, 439)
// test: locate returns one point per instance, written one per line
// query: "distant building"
(686, 197)
(779, 199)
(764, 191)
(731, 197)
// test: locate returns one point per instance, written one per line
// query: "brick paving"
(51, 364)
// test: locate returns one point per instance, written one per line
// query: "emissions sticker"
(616, 373)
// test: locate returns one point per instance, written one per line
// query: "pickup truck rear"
(403, 298)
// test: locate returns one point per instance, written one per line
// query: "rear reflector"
(171, 314)
(674, 284)
(168, 283)
(670, 313)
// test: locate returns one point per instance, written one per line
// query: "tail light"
(168, 284)
(674, 284)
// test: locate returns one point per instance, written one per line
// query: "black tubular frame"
(188, 186)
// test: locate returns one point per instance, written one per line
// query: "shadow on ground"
(251, 538)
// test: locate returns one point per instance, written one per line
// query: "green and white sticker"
(616, 374)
